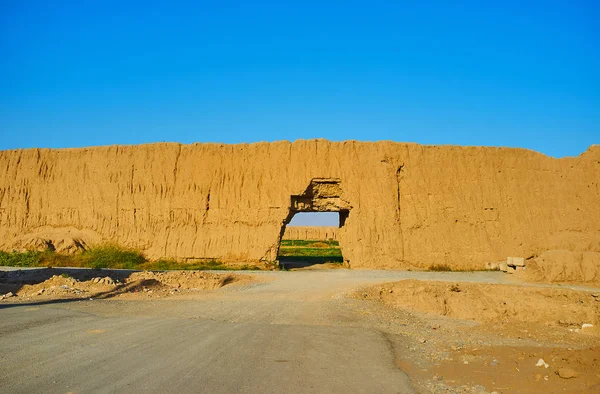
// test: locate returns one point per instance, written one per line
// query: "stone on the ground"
(541, 363)
(515, 262)
(503, 267)
(566, 373)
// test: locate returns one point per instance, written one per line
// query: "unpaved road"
(292, 332)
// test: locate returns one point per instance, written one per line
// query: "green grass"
(108, 256)
(111, 256)
(307, 243)
(440, 267)
(20, 259)
(307, 252)
(314, 252)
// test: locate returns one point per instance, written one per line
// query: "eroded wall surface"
(312, 233)
(412, 205)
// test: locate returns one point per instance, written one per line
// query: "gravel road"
(289, 332)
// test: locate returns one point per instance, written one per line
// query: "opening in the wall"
(311, 240)
(309, 235)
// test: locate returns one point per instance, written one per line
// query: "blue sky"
(510, 73)
(315, 219)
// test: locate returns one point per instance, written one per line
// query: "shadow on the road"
(312, 262)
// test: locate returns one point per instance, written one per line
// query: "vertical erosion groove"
(206, 209)
(398, 178)
(398, 207)
(175, 167)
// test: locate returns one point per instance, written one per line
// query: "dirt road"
(288, 332)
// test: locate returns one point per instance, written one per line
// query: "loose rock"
(566, 373)
(542, 363)
(515, 262)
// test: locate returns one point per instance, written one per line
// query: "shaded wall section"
(411, 205)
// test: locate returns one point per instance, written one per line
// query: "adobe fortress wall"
(311, 233)
(405, 205)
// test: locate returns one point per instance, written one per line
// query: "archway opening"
(311, 240)
(310, 235)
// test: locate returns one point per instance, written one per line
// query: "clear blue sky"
(508, 73)
(315, 219)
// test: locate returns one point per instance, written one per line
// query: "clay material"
(566, 373)
(565, 266)
(401, 205)
(313, 233)
(490, 303)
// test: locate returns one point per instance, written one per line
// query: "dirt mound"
(517, 327)
(565, 266)
(65, 240)
(185, 280)
(63, 286)
(146, 282)
(493, 303)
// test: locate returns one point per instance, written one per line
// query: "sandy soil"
(493, 303)
(450, 332)
(32, 285)
(512, 327)
(556, 266)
